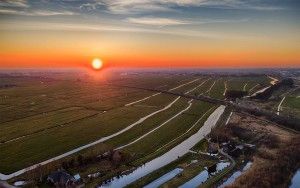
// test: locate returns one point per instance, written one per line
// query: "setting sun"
(97, 64)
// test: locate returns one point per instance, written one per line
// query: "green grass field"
(42, 118)
(41, 131)
(247, 83)
(293, 100)
(37, 123)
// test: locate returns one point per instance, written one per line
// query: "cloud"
(130, 7)
(142, 6)
(126, 6)
(27, 8)
(91, 6)
(50, 13)
(156, 21)
(159, 21)
(14, 3)
(35, 12)
(8, 11)
(42, 26)
(103, 27)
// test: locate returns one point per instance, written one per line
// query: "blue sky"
(187, 15)
(181, 10)
(268, 26)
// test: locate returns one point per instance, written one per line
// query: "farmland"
(51, 114)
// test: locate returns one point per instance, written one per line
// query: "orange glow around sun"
(97, 64)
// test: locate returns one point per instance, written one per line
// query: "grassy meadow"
(42, 117)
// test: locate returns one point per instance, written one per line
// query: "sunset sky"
(150, 33)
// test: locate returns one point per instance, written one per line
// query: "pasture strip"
(217, 90)
(141, 137)
(201, 90)
(250, 90)
(208, 91)
(196, 87)
(49, 128)
(50, 111)
(148, 126)
(169, 143)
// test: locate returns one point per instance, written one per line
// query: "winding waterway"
(169, 156)
(235, 175)
(296, 180)
(204, 176)
(168, 176)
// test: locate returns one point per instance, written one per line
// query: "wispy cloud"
(41, 26)
(50, 13)
(158, 21)
(129, 7)
(180, 32)
(155, 21)
(27, 8)
(14, 3)
(126, 6)
(35, 12)
(8, 11)
(91, 5)
(140, 6)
